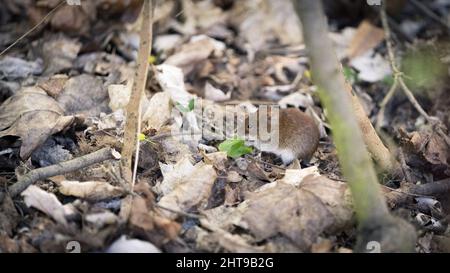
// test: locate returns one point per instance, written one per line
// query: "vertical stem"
(140, 79)
(355, 161)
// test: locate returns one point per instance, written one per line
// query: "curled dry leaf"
(33, 116)
(215, 94)
(90, 190)
(47, 203)
(186, 186)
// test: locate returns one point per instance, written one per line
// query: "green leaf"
(191, 104)
(181, 108)
(235, 147)
(350, 75)
(184, 109)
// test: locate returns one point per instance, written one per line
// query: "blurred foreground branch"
(374, 220)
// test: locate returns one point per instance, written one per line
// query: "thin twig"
(384, 102)
(398, 76)
(404, 166)
(131, 137)
(398, 80)
(33, 28)
(187, 214)
(60, 168)
(138, 146)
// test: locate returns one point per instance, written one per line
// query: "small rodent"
(298, 136)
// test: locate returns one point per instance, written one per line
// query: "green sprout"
(184, 109)
(235, 147)
(350, 75)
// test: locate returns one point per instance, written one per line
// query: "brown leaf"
(188, 189)
(300, 214)
(431, 149)
(146, 221)
(33, 116)
(367, 37)
(54, 85)
(90, 190)
(45, 202)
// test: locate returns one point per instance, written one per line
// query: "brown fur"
(298, 132)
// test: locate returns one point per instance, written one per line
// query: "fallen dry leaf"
(45, 202)
(101, 219)
(367, 37)
(85, 95)
(231, 242)
(33, 116)
(90, 190)
(147, 221)
(59, 53)
(262, 21)
(171, 80)
(217, 159)
(301, 214)
(15, 68)
(186, 186)
(158, 111)
(295, 176)
(197, 50)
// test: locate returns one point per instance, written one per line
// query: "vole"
(298, 136)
